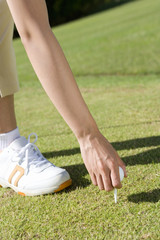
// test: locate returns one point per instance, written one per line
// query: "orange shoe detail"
(0, 186)
(64, 185)
(21, 193)
(15, 170)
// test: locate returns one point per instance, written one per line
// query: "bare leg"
(7, 114)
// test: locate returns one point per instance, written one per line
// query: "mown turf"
(115, 58)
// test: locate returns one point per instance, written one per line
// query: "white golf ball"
(121, 173)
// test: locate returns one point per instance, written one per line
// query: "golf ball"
(121, 173)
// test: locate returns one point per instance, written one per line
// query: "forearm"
(57, 79)
(50, 65)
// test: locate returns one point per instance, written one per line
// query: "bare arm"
(53, 71)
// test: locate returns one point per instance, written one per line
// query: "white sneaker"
(24, 169)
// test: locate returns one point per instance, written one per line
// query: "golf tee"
(115, 195)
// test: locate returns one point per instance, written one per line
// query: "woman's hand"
(101, 161)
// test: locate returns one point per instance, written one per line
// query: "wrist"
(87, 133)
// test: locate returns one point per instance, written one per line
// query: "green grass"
(115, 58)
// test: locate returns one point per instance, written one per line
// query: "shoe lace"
(31, 154)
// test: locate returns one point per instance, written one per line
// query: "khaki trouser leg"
(8, 75)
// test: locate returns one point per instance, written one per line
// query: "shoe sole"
(41, 192)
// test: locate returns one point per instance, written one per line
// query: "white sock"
(7, 138)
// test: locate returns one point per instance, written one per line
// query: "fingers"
(116, 183)
(93, 178)
(100, 182)
(97, 181)
(107, 183)
(107, 180)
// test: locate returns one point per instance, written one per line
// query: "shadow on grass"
(61, 153)
(77, 173)
(152, 196)
(137, 143)
(146, 157)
